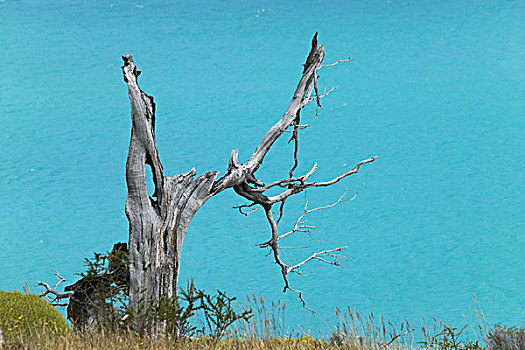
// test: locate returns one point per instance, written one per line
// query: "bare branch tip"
(233, 162)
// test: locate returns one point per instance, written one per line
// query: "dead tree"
(158, 223)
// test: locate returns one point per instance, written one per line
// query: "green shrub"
(190, 313)
(24, 316)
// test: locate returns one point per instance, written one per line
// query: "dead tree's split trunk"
(158, 224)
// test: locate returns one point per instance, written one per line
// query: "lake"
(436, 91)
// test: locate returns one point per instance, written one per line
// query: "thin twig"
(333, 64)
(300, 226)
(304, 185)
(320, 256)
(285, 182)
(246, 213)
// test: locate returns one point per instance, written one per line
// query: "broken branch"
(58, 295)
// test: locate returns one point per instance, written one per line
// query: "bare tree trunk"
(158, 224)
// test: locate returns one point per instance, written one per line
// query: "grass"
(266, 330)
(112, 341)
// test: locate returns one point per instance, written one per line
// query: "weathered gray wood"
(158, 224)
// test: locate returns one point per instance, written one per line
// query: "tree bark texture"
(157, 224)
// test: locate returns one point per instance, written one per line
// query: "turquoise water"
(436, 90)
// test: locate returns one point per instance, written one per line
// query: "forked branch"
(300, 223)
(241, 176)
(320, 256)
(57, 295)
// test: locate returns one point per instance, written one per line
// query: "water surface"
(436, 91)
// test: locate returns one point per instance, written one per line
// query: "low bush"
(27, 316)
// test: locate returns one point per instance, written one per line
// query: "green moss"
(24, 316)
